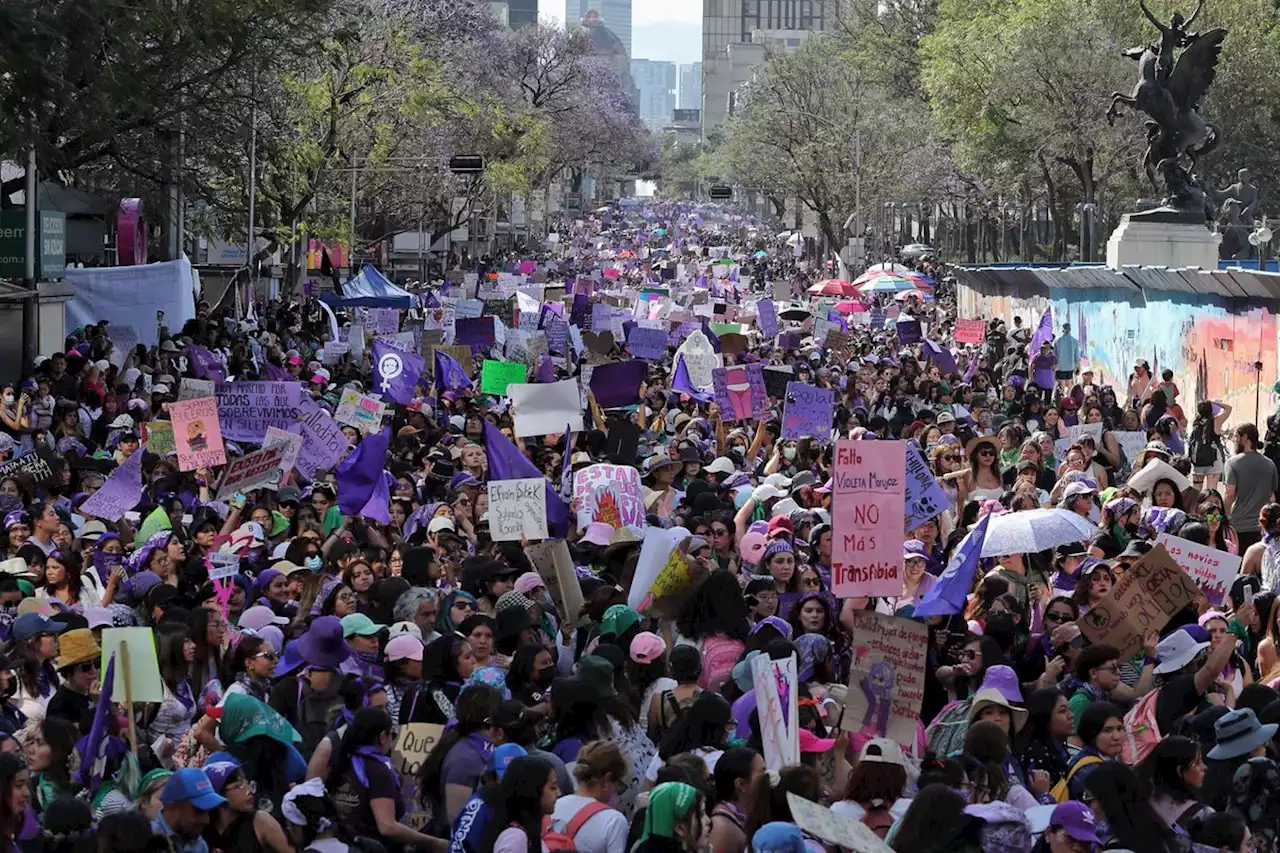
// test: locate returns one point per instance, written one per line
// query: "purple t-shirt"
(463, 765)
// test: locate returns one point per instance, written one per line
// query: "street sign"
(721, 193)
(466, 164)
(51, 244)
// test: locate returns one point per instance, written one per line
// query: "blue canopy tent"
(370, 289)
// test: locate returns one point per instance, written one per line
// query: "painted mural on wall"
(1209, 344)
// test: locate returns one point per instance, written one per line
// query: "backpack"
(562, 842)
(878, 819)
(1204, 446)
(1141, 734)
(1062, 791)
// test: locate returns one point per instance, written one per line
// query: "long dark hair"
(519, 801)
(1040, 705)
(935, 818)
(170, 638)
(716, 608)
(987, 743)
(703, 726)
(61, 736)
(1162, 771)
(199, 624)
(72, 569)
(364, 730)
(1134, 824)
(474, 708)
(10, 823)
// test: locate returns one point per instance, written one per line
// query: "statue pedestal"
(1150, 239)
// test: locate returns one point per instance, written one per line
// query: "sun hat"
(647, 647)
(1077, 820)
(192, 785)
(1004, 680)
(359, 625)
(1239, 733)
(880, 750)
(323, 646)
(16, 566)
(986, 698)
(404, 647)
(77, 646)
(1177, 650)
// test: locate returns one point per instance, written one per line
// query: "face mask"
(789, 453)
(314, 563)
(544, 676)
(8, 399)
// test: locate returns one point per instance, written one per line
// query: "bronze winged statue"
(1170, 89)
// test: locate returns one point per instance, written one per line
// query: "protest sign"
(222, 564)
(655, 551)
(609, 494)
(700, 359)
(323, 444)
(1131, 443)
(262, 469)
(458, 352)
(248, 408)
(776, 380)
(1211, 569)
(777, 688)
(838, 343)
(971, 331)
(386, 321)
(119, 494)
(475, 332)
(649, 344)
(197, 434)
(495, 376)
(290, 441)
(360, 411)
(909, 331)
(877, 319)
(557, 336)
(789, 340)
(886, 683)
(545, 408)
(518, 508)
(925, 497)
(740, 391)
(194, 389)
(617, 384)
(554, 565)
(868, 507)
(38, 466)
(334, 351)
(1144, 599)
(137, 672)
(414, 742)
(809, 411)
(843, 832)
(400, 341)
(767, 313)
(467, 309)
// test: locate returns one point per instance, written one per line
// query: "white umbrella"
(1035, 530)
(889, 267)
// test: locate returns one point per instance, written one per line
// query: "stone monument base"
(1162, 238)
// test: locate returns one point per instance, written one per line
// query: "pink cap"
(528, 582)
(598, 533)
(404, 647)
(811, 743)
(295, 360)
(647, 647)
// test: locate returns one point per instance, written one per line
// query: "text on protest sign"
(248, 408)
(970, 331)
(518, 508)
(262, 469)
(809, 411)
(197, 434)
(1212, 569)
(323, 443)
(867, 510)
(360, 411)
(414, 743)
(38, 466)
(886, 684)
(925, 497)
(1143, 599)
(610, 494)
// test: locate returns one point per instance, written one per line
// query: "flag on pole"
(506, 462)
(949, 594)
(396, 374)
(449, 374)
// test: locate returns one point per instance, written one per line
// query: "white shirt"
(851, 810)
(710, 756)
(604, 832)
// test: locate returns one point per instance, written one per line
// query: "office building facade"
(656, 84)
(689, 90)
(613, 14)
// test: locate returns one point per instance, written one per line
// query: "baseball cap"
(881, 750)
(1077, 820)
(31, 625)
(647, 647)
(359, 625)
(404, 647)
(811, 743)
(406, 629)
(260, 616)
(192, 785)
(503, 756)
(721, 465)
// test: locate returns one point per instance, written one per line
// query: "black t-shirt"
(73, 707)
(1177, 698)
(352, 799)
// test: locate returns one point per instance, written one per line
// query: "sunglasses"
(267, 656)
(1053, 616)
(986, 451)
(91, 666)
(464, 605)
(947, 457)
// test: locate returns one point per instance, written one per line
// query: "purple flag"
(396, 374)
(205, 364)
(1043, 335)
(546, 370)
(711, 336)
(973, 368)
(566, 469)
(506, 462)
(449, 374)
(378, 507)
(941, 356)
(119, 494)
(948, 595)
(93, 749)
(359, 473)
(681, 382)
(618, 384)
(278, 374)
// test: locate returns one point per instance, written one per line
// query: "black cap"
(160, 595)
(508, 714)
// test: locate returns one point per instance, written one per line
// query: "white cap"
(785, 507)
(721, 465)
(441, 523)
(781, 481)
(406, 628)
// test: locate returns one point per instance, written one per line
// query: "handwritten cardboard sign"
(809, 411)
(868, 506)
(649, 344)
(609, 494)
(413, 744)
(495, 376)
(246, 409)
(197, 434)
(1212, 569)
(360, 411)
(194, 389)
(777, 699)
(222, 564)
(290, 441)
(1144, 599)
(37, 466)
(554, 564)
(909, 331)
(886, 684)
(819, 821)
(767, 314)
(970, 331)
(518, 508)
(925, 497)
(262, 469)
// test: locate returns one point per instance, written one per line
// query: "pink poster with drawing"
(197, 434)
(868, 504)
(609, 494)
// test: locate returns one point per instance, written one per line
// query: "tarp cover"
(370, 289)
(131, 296)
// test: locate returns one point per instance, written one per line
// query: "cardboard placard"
(194, 389)
(246, 409)
(197, 434)
(157, 436)
(609, 494)
(1212, 569)
(1144, 599)
(971, 331)
(909, 331)
(414, 743)
(820, 822)
(360, 411)
(809, 411)
(222, 565)
(777, 688)
(545, 408)
(518, 508)
(140, 678)
(554, 565)
(925, 497)
(868, 507)
(38, 466)
(291, 443)
(740, 392)
(649, 344)
(495, 376)
(776, 380)
(458, 352)
(262, 469)
(886, 683)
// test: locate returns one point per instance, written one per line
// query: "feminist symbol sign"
(390, 366)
